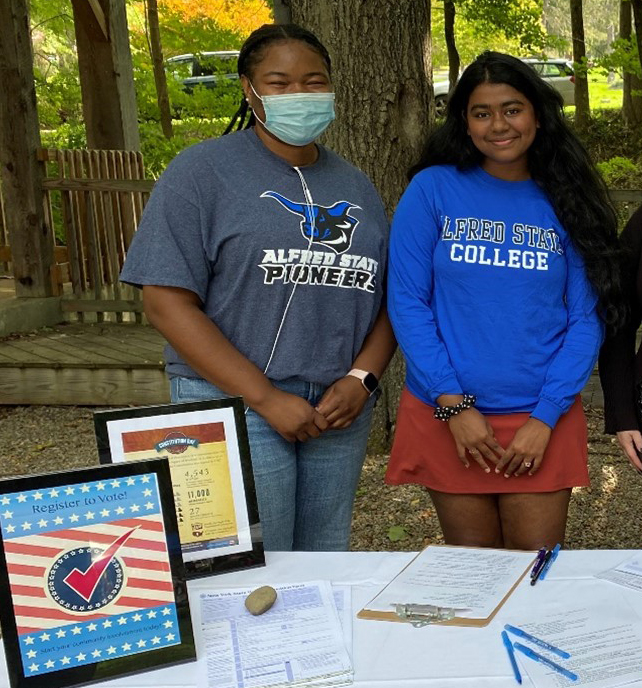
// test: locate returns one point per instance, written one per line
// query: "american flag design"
(89, 572)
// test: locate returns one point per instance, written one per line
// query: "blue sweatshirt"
(488, 296)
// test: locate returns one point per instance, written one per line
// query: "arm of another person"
(176, 313)
(617, 357)
(567, 374)
(345, 398)
(414, 237)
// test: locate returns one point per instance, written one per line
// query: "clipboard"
(476, 622)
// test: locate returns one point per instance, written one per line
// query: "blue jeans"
(305, 490)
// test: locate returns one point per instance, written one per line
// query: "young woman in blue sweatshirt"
(501, 278)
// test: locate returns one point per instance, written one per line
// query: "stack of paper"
(298, 642)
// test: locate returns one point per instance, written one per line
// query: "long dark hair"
(252, 53)
(557, 161)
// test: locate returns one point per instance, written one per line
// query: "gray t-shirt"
(229, 221)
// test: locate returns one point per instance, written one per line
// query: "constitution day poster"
(92, 583)
(208, 451)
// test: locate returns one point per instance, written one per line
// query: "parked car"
(203, 69)
(558, 72)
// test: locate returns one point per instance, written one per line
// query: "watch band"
(368, 380)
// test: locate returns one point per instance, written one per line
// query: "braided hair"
(557, 162)
(252, 53)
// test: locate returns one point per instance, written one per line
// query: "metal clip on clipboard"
(420, 615)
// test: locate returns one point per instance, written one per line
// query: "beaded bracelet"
(445, 413)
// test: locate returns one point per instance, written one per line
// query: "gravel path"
(37, 439)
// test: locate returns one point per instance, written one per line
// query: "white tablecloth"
(387, 655)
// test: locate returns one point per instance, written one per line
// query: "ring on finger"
(528, 464)
(473, 451)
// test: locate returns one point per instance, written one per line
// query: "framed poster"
(207, 447)
(92, 584)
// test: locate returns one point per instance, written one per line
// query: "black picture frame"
(77, 607)
(248, 551)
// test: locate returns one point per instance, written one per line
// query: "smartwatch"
(368, 380)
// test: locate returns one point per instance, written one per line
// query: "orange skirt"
(424, 453)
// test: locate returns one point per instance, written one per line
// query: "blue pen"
(554, 552)
(538, 561)
(536, 641)
(511, 655)
(546, 662)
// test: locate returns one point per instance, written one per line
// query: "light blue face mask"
(297, 118)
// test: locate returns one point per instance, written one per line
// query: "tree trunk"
(631, 105)
(449, 34)
(582, 108)
(382, 76)
(636, 82)
(160, 77)
(282, 12)
(106, 74)
(30, 237)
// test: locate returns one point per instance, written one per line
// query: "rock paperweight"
(260, 600)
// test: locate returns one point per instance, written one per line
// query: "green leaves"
(396, 533)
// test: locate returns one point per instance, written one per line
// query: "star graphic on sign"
(122, 621)
(74, 518)
(58, 520)
(28, 640)
(37, 495)
(166, 611)
(69, 490)
(155, 640)
(45, 636)
(127, 647)
(42, 523)
(81, 657)
(100, 486)
(10, 528)
(7, 514)
(131, 481)
(4, 501)
(144, 478)
(151, 614)
(76, 630)
(50, 664)
(115, 483)
(89, 515)
(104, 513)
(26, 525)
(92, 627)
(120, 510)
(111, 650)
(169, 636)
(53, 492)
(31, 654)
(137, 617)
(107, 623)
(149, 505)
(141, 643)
(61, 633)
(65, 660)
(22, 498)
(85, 488)
(134, 508)
(168, 624)
(96, 653)
(33, 667)
(147, 493)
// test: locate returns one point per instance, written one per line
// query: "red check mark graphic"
(84, 583)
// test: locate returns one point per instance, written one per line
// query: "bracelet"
(445, 413)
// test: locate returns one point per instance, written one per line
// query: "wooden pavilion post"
(106, 75)
(30, 237)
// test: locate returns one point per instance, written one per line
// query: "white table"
(389, 655)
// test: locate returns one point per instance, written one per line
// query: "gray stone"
(260, 600)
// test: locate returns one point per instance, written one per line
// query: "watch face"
(371, 383)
